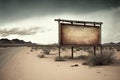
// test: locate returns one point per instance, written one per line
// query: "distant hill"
(111, 44)
(14, 42)
(118, 43)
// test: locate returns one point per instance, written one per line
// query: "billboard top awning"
(81, 22)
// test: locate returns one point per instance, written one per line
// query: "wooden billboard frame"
(78, 23)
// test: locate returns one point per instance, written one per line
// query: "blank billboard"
(79, 35)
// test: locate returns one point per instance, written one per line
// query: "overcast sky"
(33, 20)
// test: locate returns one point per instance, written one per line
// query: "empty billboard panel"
(71, 34)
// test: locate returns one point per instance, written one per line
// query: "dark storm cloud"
(17, 31)
(18, 9)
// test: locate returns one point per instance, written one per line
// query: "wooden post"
(59, 37)
(72, 56)
(94, 48)
(101, 49)
(59, 52)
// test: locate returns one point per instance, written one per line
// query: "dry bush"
(31, 50)
(100, 59)
(118, 49)
(63, 49)
(41, 56)
(46, 50)
(35, 48)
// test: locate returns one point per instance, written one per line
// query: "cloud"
(12, 10)
(18, 31)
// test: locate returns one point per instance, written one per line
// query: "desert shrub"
(118, 49)
(59, 59)
(63, 49)
(41, 56)
(77, 49)
(46, 50)
(100, 59)
(90, 51)
(31, 50)
(34, 48)
(110, 48)
(54, 48)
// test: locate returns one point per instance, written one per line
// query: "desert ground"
(24, 63)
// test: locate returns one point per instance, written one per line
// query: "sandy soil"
(26, 65)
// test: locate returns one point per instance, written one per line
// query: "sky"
(33, 20)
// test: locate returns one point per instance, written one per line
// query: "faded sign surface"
(80, 35)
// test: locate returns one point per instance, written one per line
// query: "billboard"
(79, 32)
(80, 35)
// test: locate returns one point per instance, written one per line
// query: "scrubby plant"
(31, 50)
(77, 49)
(90, 51)
(100, 59)
(46, 50)
(110, 48)
(63, 49)
(118, 49)
(34, 48)
(41, 56)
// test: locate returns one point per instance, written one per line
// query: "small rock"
(75, 65)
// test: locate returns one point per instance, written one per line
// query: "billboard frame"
(79, 23)
(76, 23)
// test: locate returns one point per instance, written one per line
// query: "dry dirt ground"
(20, 63)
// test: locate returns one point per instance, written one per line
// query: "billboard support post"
(72, 56)
(94, 48)
(101, 49)
(59, 52)
(59, 37)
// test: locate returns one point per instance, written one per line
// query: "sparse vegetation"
(86, 49)
(90, 51)
(63, 49)
(46, 50)
(41, 56)
(100, 59)
(31, 50)
(118, 49)
(78, 48)
(110, 48)
(35, 48)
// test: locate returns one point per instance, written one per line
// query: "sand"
(26, 65)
